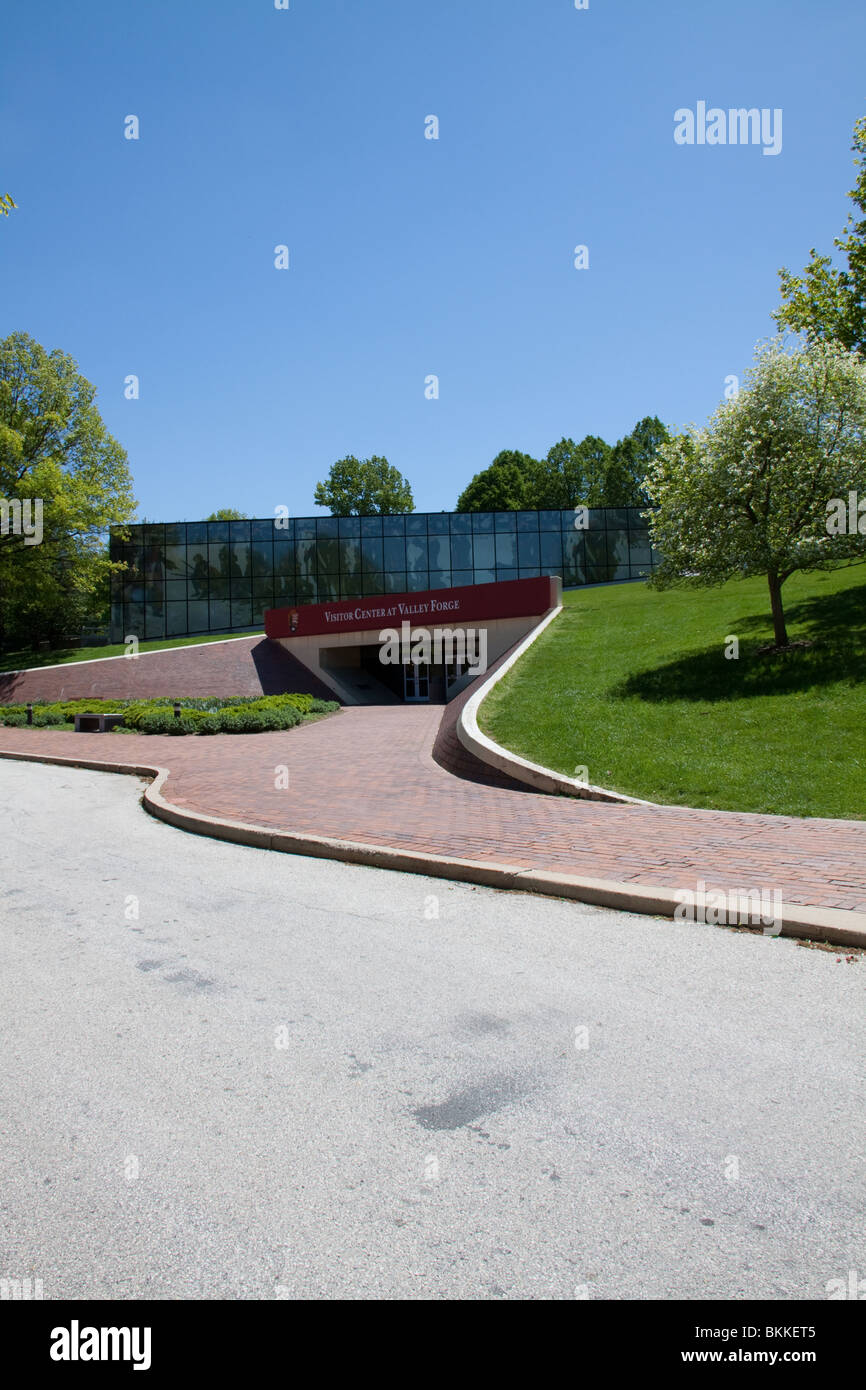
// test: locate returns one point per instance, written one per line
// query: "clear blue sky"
(409, 257)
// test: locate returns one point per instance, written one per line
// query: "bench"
(96, 723)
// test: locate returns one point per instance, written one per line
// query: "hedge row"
(234, 714)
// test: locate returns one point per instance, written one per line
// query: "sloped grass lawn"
(635, 686)
(27, 660)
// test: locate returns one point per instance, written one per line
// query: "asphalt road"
(235, 1074)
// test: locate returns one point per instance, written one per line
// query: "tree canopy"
(227, 514)
(590, 474)
(356, 487)
(827, 302)
(505, 485)
(754, 491)
(54, 451)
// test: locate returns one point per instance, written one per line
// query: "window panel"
(350, 556)
(240, 559)
(241, 612)
(328, 556)
(461, 552)
(506, 549)
(529, 549)
(416, 555)
(175, 561)
(262, 559)
(551, 550)
(371, 551)
(220, 614)
(617, 547)
(284, 557)
(439, 549)
(329, 588)
(175, 619)
(199, 616)
(395, 554)
(306, 560)
(485, 556)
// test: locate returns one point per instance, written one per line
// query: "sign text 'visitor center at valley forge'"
(327, 588)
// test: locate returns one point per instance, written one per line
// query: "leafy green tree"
(560, 477)
(752, 492)
(508, 484)
(57, 460)
(359, 487)
(826, 302)
(227, 514)
(594, 454)
(629, 462)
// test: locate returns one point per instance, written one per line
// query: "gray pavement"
(231, 1074)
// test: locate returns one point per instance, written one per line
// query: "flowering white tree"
(752, 492)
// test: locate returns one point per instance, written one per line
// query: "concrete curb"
(834, 925)
(544, 779)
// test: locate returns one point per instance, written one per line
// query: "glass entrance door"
(416, 683)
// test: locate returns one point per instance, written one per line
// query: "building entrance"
(416, 683)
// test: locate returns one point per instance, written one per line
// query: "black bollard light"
(29, 714)
(177, 709)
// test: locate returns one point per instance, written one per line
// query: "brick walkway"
(368, 774)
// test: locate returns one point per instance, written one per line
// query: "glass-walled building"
(184, 578)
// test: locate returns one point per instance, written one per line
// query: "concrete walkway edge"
(543, 779)
(840, 927)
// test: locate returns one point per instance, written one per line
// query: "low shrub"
(203, 714)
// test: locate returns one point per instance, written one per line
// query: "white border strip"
(542, 778)
(157, 651)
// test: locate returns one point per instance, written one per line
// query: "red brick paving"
(368, 774)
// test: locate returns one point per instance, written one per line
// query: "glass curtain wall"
(186, 578)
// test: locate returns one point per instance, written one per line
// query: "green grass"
(634, 685)
(30, 660)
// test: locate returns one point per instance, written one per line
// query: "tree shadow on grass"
(29, 661)
(835, 625)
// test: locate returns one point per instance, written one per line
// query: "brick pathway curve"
(368, 774)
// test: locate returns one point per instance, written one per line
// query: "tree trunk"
(779, 628)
